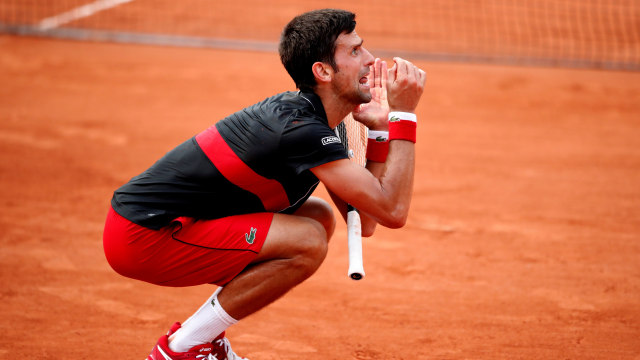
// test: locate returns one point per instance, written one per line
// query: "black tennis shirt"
(256, 160)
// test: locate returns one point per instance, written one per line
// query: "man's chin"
(365, 97)
(359, 97)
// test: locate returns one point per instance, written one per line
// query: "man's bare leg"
(294, 249)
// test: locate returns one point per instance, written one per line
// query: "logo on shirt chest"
(330, 140)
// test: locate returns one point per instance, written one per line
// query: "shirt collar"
(315, 102)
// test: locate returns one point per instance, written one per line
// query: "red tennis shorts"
(187, 252)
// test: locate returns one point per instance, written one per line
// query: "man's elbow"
(396, 223)
(396, 218)
(390, 222)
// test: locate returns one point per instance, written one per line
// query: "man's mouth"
(364, 80)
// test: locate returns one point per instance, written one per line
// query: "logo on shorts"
(251, 237)
(330, 140)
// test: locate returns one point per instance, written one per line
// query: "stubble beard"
(357, 96)
(365, 97)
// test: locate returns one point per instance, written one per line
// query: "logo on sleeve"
(330, 140)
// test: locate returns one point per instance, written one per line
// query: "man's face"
(350, 80)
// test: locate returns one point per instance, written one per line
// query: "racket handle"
(354, 235)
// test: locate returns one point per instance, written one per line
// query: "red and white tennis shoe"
(218, 349)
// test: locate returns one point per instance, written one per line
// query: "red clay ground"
(523, 241)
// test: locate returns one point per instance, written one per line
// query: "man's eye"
(354, 52)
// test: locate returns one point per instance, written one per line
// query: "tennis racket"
(353, 136)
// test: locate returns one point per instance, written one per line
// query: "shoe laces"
(224, 343)
(207, 357)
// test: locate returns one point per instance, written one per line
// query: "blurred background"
(575, 33)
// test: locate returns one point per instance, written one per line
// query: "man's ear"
(323, 72)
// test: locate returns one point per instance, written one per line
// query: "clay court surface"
(523, 240)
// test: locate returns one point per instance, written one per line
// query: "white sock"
(203, 326)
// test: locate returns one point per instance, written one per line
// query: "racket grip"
(354, 236)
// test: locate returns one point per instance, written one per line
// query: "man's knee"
(312, 247)
(301, 240)
(320, 211)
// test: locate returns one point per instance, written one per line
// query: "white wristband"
(379, 135)
(400, 115)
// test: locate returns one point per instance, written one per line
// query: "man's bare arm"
(367, 222)
(384, 192)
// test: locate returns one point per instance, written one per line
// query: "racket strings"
(353, 136)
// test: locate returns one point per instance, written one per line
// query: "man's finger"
(392, 73)
(383, 73)
(403, 69)
(378, 75)
(422, 76)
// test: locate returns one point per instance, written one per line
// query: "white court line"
(78, 13)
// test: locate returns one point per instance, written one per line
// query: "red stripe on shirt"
(270, 192)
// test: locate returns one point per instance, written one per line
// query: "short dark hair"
(311, 37)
